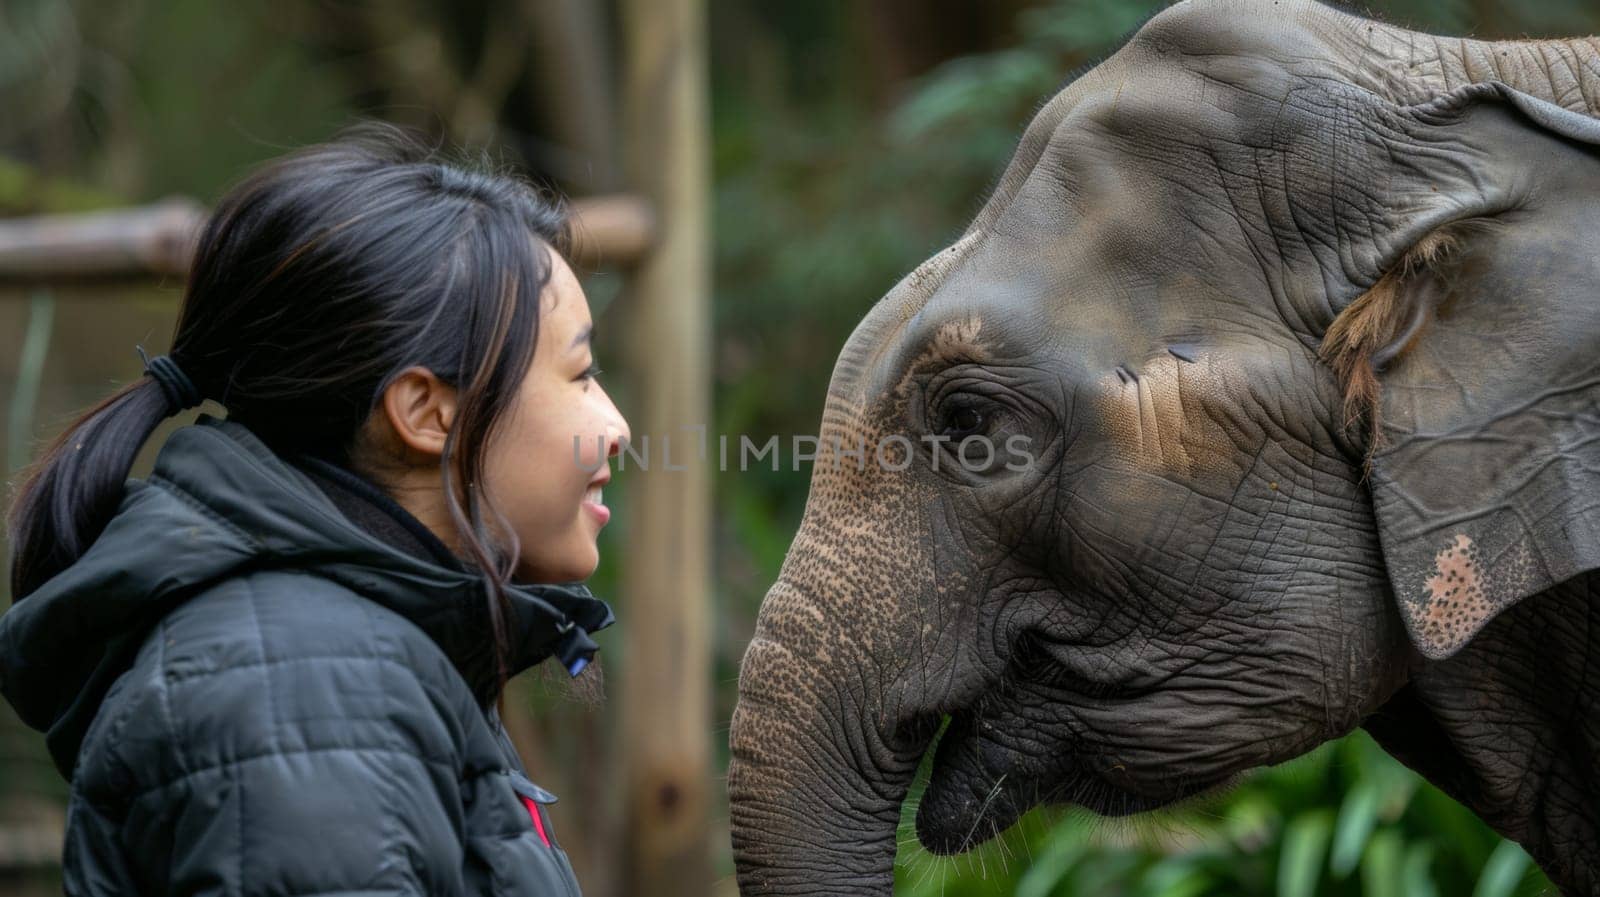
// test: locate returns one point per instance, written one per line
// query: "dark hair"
(316, 280)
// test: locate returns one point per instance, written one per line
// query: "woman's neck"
(378, 510)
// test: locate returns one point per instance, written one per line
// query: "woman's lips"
(592, 502)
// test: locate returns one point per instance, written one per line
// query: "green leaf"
(1357, 817)
(1416, 875)
(1176, 876)
(1380, 865)
(1052, 866)
(1502, 873)
(1104, 871)
(1305, 841)
(1450, 822)
(1251, 821)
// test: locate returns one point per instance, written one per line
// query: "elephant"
(1281, 329)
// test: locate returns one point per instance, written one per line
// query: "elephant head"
(1260, 401)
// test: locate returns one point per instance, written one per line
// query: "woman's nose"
(616, 435)
(617, 431)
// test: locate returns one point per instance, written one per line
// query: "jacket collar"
(366, 505)
(374, 510)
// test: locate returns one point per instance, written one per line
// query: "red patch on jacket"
(538, 821)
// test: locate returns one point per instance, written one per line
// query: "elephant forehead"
(871, 347)
(1168, 415)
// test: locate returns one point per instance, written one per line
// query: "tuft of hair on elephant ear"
(1385, 321)
(1381, 325)
(1485, 483)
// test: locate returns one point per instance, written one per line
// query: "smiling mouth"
(594, 503)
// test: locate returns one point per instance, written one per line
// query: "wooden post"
(665, 617)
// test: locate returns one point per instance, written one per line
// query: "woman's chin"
(584, 572)
(587, 561)
(575, 565)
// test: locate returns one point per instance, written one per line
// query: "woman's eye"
(591, 372)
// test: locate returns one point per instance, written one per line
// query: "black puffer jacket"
(267, 678)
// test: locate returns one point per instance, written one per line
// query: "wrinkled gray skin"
(1196, 576)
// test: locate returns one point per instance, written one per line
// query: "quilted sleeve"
(297, 775)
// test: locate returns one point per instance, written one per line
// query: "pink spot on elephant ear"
(1454, 604)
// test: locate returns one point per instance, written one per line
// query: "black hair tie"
(180, 391)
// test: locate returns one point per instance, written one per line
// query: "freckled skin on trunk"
(821, 756)
(1206, 566)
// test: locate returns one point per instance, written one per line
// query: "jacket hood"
(218, 503)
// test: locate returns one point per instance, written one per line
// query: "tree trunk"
(666, 658)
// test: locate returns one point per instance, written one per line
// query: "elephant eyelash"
(987, 418)
(953, 427)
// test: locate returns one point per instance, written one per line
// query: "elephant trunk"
(830, 725)
(815, 784)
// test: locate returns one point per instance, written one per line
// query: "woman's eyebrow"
(584, 336)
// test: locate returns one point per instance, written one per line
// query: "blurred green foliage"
(1346, 820)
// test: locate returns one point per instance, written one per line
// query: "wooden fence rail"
(158, 240)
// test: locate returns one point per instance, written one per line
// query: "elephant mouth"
(984, 778)
(972, 794)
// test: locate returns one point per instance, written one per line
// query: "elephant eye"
(963, 420)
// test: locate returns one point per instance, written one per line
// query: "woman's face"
(548, 458)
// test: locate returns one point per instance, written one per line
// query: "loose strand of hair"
(476, 421)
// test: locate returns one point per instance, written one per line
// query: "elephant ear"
(1477, 359)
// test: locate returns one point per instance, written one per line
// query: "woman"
(272, 666)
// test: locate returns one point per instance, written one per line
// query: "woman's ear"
(1477, 359)
(419, 409)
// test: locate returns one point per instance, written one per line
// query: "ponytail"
(71, 492)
